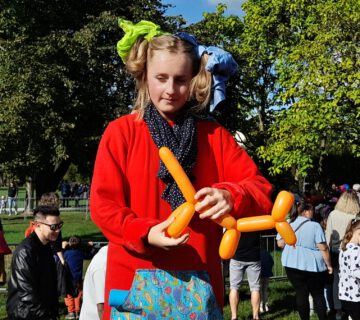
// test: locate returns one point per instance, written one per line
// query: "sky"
(192, 10)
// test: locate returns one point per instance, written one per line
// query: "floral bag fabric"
(164, 294)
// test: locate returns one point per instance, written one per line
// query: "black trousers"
(305, 283)
(351, 308)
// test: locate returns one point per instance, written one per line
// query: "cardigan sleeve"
(110, 192)
(241, 177)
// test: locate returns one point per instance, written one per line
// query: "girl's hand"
(213, 203)
(158, 238)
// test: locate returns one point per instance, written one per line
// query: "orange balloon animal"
(183, 215)
(283, 203)
(229, 242)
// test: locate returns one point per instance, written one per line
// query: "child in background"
(267, 263)
(74, 257)
(349, 266)
(2, 204)
(4, 250)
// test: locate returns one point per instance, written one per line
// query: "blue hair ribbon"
(221, 64)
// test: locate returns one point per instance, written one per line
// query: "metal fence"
(25, 205)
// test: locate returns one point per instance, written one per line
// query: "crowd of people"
(73, 191)
(323, 226)
(70, 192)
(325, 260)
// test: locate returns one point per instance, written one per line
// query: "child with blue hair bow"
(133, 194)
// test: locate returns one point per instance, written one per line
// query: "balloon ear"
(286, 232)
(282, 206)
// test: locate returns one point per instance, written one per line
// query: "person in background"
(267, 263)
(65, 190)
(308, 263)
(50, 199)
(74, 257)
(4, 250)
(356, 188)
(2, 205)
(349, 265)
(94, 287)
(133, 194)
(346, 209)
(322, 211)
(246, 259)
(32, 287)
(12, 197)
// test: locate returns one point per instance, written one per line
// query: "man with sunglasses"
(32, 288)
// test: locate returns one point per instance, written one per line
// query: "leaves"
(61, 81)
(317, 76)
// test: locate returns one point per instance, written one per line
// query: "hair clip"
(356, 219)
(132, 31)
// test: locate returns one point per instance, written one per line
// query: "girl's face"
(168, 79)
(356, 236)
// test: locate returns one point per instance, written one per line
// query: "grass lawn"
(75, 223)
(281, 297)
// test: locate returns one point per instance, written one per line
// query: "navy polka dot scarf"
(181, 140)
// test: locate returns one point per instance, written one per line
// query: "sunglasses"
(53, 227)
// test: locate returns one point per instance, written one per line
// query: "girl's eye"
(161, 79)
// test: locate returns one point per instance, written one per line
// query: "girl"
(349, 265)
(132, 194)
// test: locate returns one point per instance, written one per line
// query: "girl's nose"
(170, 86)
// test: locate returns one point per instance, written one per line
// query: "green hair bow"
(133, 32)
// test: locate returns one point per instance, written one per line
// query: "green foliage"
(61, 82)
(319, 76)
(295, 97)
(249, 100)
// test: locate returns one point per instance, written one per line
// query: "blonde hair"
(353, 225)
(142, 51)
(348, 202)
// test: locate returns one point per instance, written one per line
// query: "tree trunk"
(48, 179)
(29, 197)
(320, 183)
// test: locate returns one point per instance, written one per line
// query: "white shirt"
(349, 283)
(94, 286)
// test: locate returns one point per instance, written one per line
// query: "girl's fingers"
(202, 193)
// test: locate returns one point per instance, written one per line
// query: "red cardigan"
(126, 200)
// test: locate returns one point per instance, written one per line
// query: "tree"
(61, 82)
(318, 69)
(250, 93)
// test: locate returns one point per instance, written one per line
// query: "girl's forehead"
(164, 55)
(164, 61)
